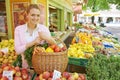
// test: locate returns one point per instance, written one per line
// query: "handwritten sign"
(8, 74)
(56, 74)
(5, 50)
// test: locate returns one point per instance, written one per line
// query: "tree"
(116, 2)
(97, 5)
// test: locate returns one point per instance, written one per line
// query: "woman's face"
(34, 16)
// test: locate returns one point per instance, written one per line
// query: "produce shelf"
(78, 61)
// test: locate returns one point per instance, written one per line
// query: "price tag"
(5, 50)
(56, 74)
(8, 74)
(60, 45)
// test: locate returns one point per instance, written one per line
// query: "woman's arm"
(20, 46)
(35, 42)
(46, 37)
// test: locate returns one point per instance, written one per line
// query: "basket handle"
(60, 43)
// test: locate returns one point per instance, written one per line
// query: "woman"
(31, 33)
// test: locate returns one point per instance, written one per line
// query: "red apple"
(71, 78)
(17, 68)
(17, 78)
(18, 73)
(66, 75)
(6, 68)
(58, 79)
(57, 49)
(46, 75)
(79, 78)
(49, 78)
(0, 76)
(11, 67)
(4, 65)
(24, 70)
(63, 48)
(82, 76)
(53, 46)
(51, 74)
(4, 78)
(37, 78)
(25, 76)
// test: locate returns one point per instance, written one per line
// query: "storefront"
(58, 13)
(63, 14)
(3, 22)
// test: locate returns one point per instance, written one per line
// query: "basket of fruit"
(53, 57)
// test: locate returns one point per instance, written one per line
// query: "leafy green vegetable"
(102, 67)
(28, 55)
(18, 61)
(45, 45)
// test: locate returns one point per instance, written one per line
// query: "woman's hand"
(46, 37)
(37, 41)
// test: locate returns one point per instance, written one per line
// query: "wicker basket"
(50, 61)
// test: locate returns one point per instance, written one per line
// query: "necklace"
(30, 31)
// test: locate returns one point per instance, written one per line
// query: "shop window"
(53, 19)
(3, 22)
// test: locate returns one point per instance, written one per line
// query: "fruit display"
(8, 56)
(7, 44)
(82, 37)
(105, 44)
(17, 73)
(80, 50)
(81, 45)
(64, 76)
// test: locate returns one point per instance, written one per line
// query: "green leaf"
(103, 68)
(28, 55)
(18, 61)
(97, 5)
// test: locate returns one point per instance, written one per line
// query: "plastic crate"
(78, 61)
